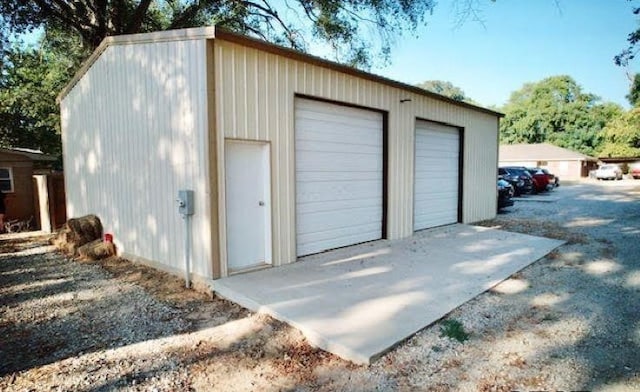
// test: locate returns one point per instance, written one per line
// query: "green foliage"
(634, 91)
(453, 329)
(30, 77)
(557, 111)
(624, 58)
(29, 83)
(622, 136)
(350, 27)
(445, 88)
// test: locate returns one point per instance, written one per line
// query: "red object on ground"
(108, 237)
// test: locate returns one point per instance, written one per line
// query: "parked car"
(609, 172)
(505, 193)
(540, 179)
(518, 177)
(634, 170)
(554, 180)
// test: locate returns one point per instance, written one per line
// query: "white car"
(609, 172)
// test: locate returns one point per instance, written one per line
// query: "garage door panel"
(436, 175)
(310, 207)
(333, 220)
(440, 192)
(430, 176)
(337, 147)
(437, 144)
(338, 176)
(331, 176)
(434, 220)
(319, 161)
(308, 248)
(332, 191)
(432, 204)
(437, 155)
(314, 131)
(331, 112)
(336, 234)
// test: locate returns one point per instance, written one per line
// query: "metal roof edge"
(213, 32)
(34, 156)
(227, 35)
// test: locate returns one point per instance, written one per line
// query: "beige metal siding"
(255, 101)
(134, 133)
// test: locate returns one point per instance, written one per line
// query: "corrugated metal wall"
(134, 131)
(255, 101)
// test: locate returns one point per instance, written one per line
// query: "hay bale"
(96, 250)
(77, 232)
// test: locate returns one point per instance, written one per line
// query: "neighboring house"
(566, 164)
(287, 154)
(16, 171)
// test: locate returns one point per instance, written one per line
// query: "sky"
(520, 41)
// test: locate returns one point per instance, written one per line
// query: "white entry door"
(248, 204)
(437, 161)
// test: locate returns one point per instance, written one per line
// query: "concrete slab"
(360, 301)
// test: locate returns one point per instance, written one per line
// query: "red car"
(540, 179)
(554, 181)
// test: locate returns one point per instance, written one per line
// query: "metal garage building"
(287, 154)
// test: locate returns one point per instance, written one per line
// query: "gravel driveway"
(571, 321)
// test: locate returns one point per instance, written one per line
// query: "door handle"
(261, 203)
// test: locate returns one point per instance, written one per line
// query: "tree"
(556, 110)
(634, 91)
(624, 58)
(622, 136)
(30, 81)
(445, 88)
(343, 24)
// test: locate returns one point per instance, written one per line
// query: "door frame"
(460, 170)
(266, 160)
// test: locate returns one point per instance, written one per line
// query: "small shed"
(564, 163)
(16, 171)
(287, 154)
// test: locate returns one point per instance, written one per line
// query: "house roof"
(34, 155)
(619, 159)
(539, 152)
(213, 32)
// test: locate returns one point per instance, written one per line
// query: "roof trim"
(34, 156)
(214, 32)
(590, 159)
(307, 58)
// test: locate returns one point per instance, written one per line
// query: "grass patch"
(453, 329)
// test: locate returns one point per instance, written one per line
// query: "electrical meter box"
(185, 202)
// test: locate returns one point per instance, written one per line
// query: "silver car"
(609, 172)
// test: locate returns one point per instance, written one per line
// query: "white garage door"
(436, 175)
(338, 176)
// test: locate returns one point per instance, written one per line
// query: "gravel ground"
(570, 321)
